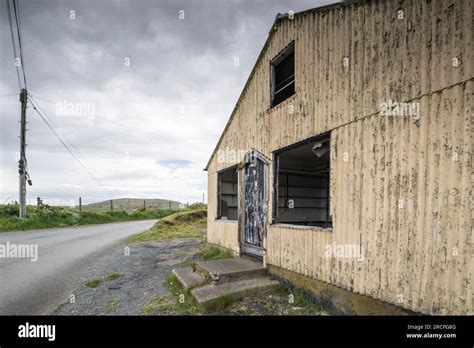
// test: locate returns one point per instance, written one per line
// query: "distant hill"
(132, 204)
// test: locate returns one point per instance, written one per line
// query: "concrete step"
(188, 277)
(213, 291)
(229, 270)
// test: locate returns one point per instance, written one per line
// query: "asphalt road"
(38, 288)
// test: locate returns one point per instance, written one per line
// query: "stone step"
(228, 270)
(188, 277)
(213, 291)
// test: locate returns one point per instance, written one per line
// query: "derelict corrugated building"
(358, 117)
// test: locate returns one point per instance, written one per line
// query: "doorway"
(254, 204)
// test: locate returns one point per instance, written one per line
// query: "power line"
(16, 9)
(51, 122)
(46, 100)
(163, 137)
(67, 147)
(13, 42)
(43, 117)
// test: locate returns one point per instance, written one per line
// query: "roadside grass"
(93, 283)
(188, 224)
(45, 216)
(109, 307)
(214, 253)
(112, 276)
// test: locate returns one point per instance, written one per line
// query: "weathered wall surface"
(399, 187)
(220, 232)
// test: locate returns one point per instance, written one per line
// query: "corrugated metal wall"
(400, 188)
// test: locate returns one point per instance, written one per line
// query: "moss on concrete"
(337, 300)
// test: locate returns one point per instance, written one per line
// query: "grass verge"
(45, 216)
(181, 225)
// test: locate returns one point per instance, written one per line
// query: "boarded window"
(283, 76)
(302, 184)
(227, 203)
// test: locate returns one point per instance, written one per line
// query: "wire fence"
(88, 204)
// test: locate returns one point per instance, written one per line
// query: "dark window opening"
(302, 184)
(283, 76)
(227, 202)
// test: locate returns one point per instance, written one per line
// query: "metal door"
(255, 209)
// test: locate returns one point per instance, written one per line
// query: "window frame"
(275, 184)
(218, 194)
(280, 57)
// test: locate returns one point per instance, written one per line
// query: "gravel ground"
(141, 276)
(139, 280)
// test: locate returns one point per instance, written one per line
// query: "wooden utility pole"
(203, 198)
(22, 160)
(169, 205)
(111, 205)
(144, 204)
(80, 204)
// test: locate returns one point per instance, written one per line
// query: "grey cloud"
(170, 104)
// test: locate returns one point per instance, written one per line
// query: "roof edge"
(273, 28)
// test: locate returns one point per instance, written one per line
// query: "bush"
(117, 214)
(45, 216)
(11, 209)
(198, 205)
(47, 211)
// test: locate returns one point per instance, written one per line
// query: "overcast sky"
(156, 90)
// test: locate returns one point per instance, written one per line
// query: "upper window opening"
(302, 184)
(283, 76)
(227, 203)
